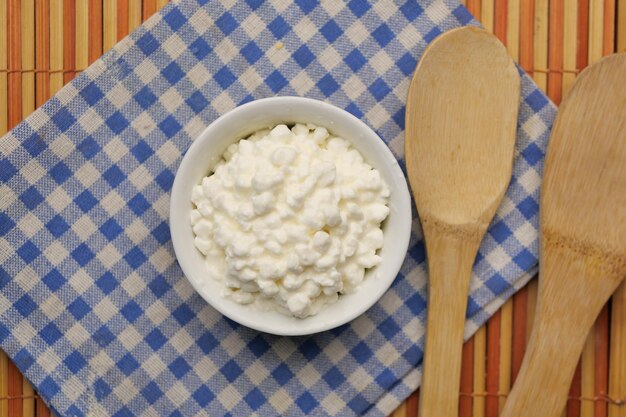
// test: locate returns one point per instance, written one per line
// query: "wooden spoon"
(583, 235)
(461, 118)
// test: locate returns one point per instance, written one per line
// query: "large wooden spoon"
(583, 235)
(461, 118)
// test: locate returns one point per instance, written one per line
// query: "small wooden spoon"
(583, 235)
(461, 118)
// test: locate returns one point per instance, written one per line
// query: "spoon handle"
(451, 254)
(573, 287)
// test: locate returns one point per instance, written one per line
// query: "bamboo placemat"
(45, 43)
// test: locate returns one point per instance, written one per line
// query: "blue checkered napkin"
(93, 307)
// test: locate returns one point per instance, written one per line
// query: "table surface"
(45, 43)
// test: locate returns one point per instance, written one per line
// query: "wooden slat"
(573, 403)
(14, 80)
(487, 9)
(520, 305)
(95, 29)
(56, 45)
(596, 31)
(506, 339)
(412, 404)
(540, 46)
(134, 14)
(608, 24)
(14, 391)
(532, 304)
(513, 28)
(4, 383)
(492, 405)
(28, 403)
(42, 51)
(122, 19)
(621, 28)
(69, 40)
(601, 371)
(570, 46)
(3, 64)
(555, 50)
(480, 356)
(28, 56)
(161, 3)
(467, 379)
(587, 377)
(526, 52)
(82, 34)
(109, 24)
(149, 8)
(617, 374)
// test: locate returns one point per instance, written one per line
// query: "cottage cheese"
(289, 219)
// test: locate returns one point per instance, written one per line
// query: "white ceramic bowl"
(207, 149)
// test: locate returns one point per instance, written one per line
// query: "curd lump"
(289, 219)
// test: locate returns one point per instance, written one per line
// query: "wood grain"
(617, 374)
(42, 51)
(27, 36)
(56, 45)
(95, 29)
(14, 80)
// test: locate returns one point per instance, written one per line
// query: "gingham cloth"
(93, 307)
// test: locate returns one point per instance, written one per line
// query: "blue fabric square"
(327, 85)
(159, 286)
(155, 339)
(34, 145)
(111, 229)
(6, 224)
(142, 151)
(60, 172)
(103, 336)
(85, 201)
(258, 346)
(307, 6)
(254, 4)
(25, 305)
(179, 367)
(161, 233)
(207, 342)
(128, 364)
(224, 77)
(355, 110)
(251, 52)
(416, 303)
(170, 126)
(379, 89)
(135, 257)
(334, 378)
(386, 379)
(472, 307)
(525, 260)
(276, 81)
(91, 93)
(528, 207)
(463, 15)
(532, 154)
(497, 284)
(383, 35)
(359, 7)
(117, 122)
(411, 10)
(50, 333)
(31, 199)
(124, 412)
(63, 119)
(331, 31)
(309, 349)
(282, 374)
(203, 396)
(359, 404)
(28, 252)
(500, 231)
(197, 102)
(536, 100)
(355, 60)
(413, 355)
(303, 56)
(173, 73)
(82, 254)
(49, 387)
(145, 97)
(389, 328)
(138, 204)
(398, 117)
(151, 392)
(183, 314)
(407, 64)
(361, 352)
(54, 280)
(107, 283)
(200, 48)
(131, 311)
(279, 27)
(165, 180)
(79, 308)
(75, 361)
(226, 23)
(255, 399)
(174, 19)
(147, 43)
(101, 389)
(7, 170)
(4, 278)
(430, 36)
(88, 147)
(114, 176)
(23, 359)
(231, 370)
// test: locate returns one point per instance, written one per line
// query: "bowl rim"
(403, 212)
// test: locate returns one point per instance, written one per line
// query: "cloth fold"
(94, 309)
